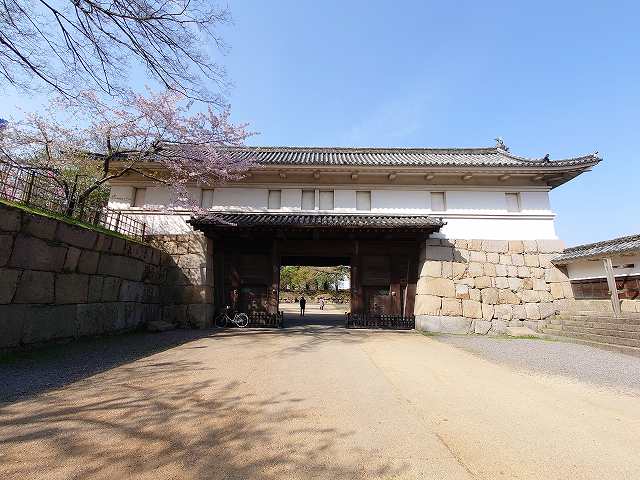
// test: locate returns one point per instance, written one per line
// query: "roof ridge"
(365, 149)
(585, 246)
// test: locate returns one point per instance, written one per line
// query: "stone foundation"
(484, 286)
(61, 281)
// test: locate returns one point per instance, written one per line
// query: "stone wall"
(484, 286)
(58, 281)
(187, 292)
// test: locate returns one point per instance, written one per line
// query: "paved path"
(320, 402)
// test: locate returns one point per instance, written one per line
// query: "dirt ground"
(317, 401)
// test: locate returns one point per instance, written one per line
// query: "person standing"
(322, 304)
(303, 303)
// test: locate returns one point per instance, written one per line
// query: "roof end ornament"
(500, 144)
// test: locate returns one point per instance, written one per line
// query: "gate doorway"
(321, 283)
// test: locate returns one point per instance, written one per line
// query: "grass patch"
(429, 334)
(69, 220)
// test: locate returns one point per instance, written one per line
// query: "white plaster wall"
(469, 201)
(157, 197)
(535, 202)
(585, 269)
(164, 223)
(240, 198)
(515, 228)
(400, 201)
(121, 196)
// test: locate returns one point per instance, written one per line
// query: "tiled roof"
(409, 157)
(600, 249)
(318, 220)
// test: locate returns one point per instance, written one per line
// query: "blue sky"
(549, 77)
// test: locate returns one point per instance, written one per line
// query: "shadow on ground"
(168, 417)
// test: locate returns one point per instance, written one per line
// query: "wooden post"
(357, 302)
(613, 288)
(218, 274)
(274, 294)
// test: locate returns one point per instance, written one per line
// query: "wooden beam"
(613, 288)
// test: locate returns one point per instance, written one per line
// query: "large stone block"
(103, 243)
(529, 296)
(9, 218)
(131, 316)
(493, 257)
(550, 246)
(43, 323)
(519, 312)
(475, 269)
(530, 246)
(455, 325)
(132, 291)
(429, 268)
(481, 327)
(489, 269)
(484, 282)
(39, 226)
(501, 282)
(447, 270)
(540, 284)
(501, 270)
(516, 246)
(532, 311)
(546, 309)
(478, 257)
(12, 324)
(471, 309)
(487, 311)
(8, 284)
(507, 296)
(36, 254)
(459, 270)
(75, 235)
(6, 246)
(427, 305)
(498, 246)
(517, 259)
(95, 288)
(515, 283)
(451, 307)
(531, 260)
(175, 314)
(118, 246)
(88, 262)
(72, 288)
(111, 289)
(71, 261)
(442, 287)
(524, 272)
(489, 296)
(474, 294)
(555, 275)
(119, 266)
(98, 318)
(503, 312)
(35, 287)
(474, 244)
(498, 327)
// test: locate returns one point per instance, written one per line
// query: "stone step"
(629, 327)
(629, 342)
(581, 313)
(602, 331)
(595, 318)
(635, 351)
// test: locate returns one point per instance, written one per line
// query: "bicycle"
(240, 319)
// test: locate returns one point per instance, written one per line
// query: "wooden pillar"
(357, 302)
(219, 297)
(412, 282)
(613, 288)
(274, 293)
(394, 286)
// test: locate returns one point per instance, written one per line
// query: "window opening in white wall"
(308, 199)
(363, 200)
(275, 199)
(326, 199)
(438, 202)
(513, 202)
(206, 199)
(139, 196)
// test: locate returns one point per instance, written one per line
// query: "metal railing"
(392, 322)
(35, 188)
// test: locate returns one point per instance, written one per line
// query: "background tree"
(106, 140)
(73, 45)
(300, 278)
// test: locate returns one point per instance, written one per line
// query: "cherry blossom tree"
(156, 135)
(71, 45)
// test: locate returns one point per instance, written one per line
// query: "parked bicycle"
(240, 319)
